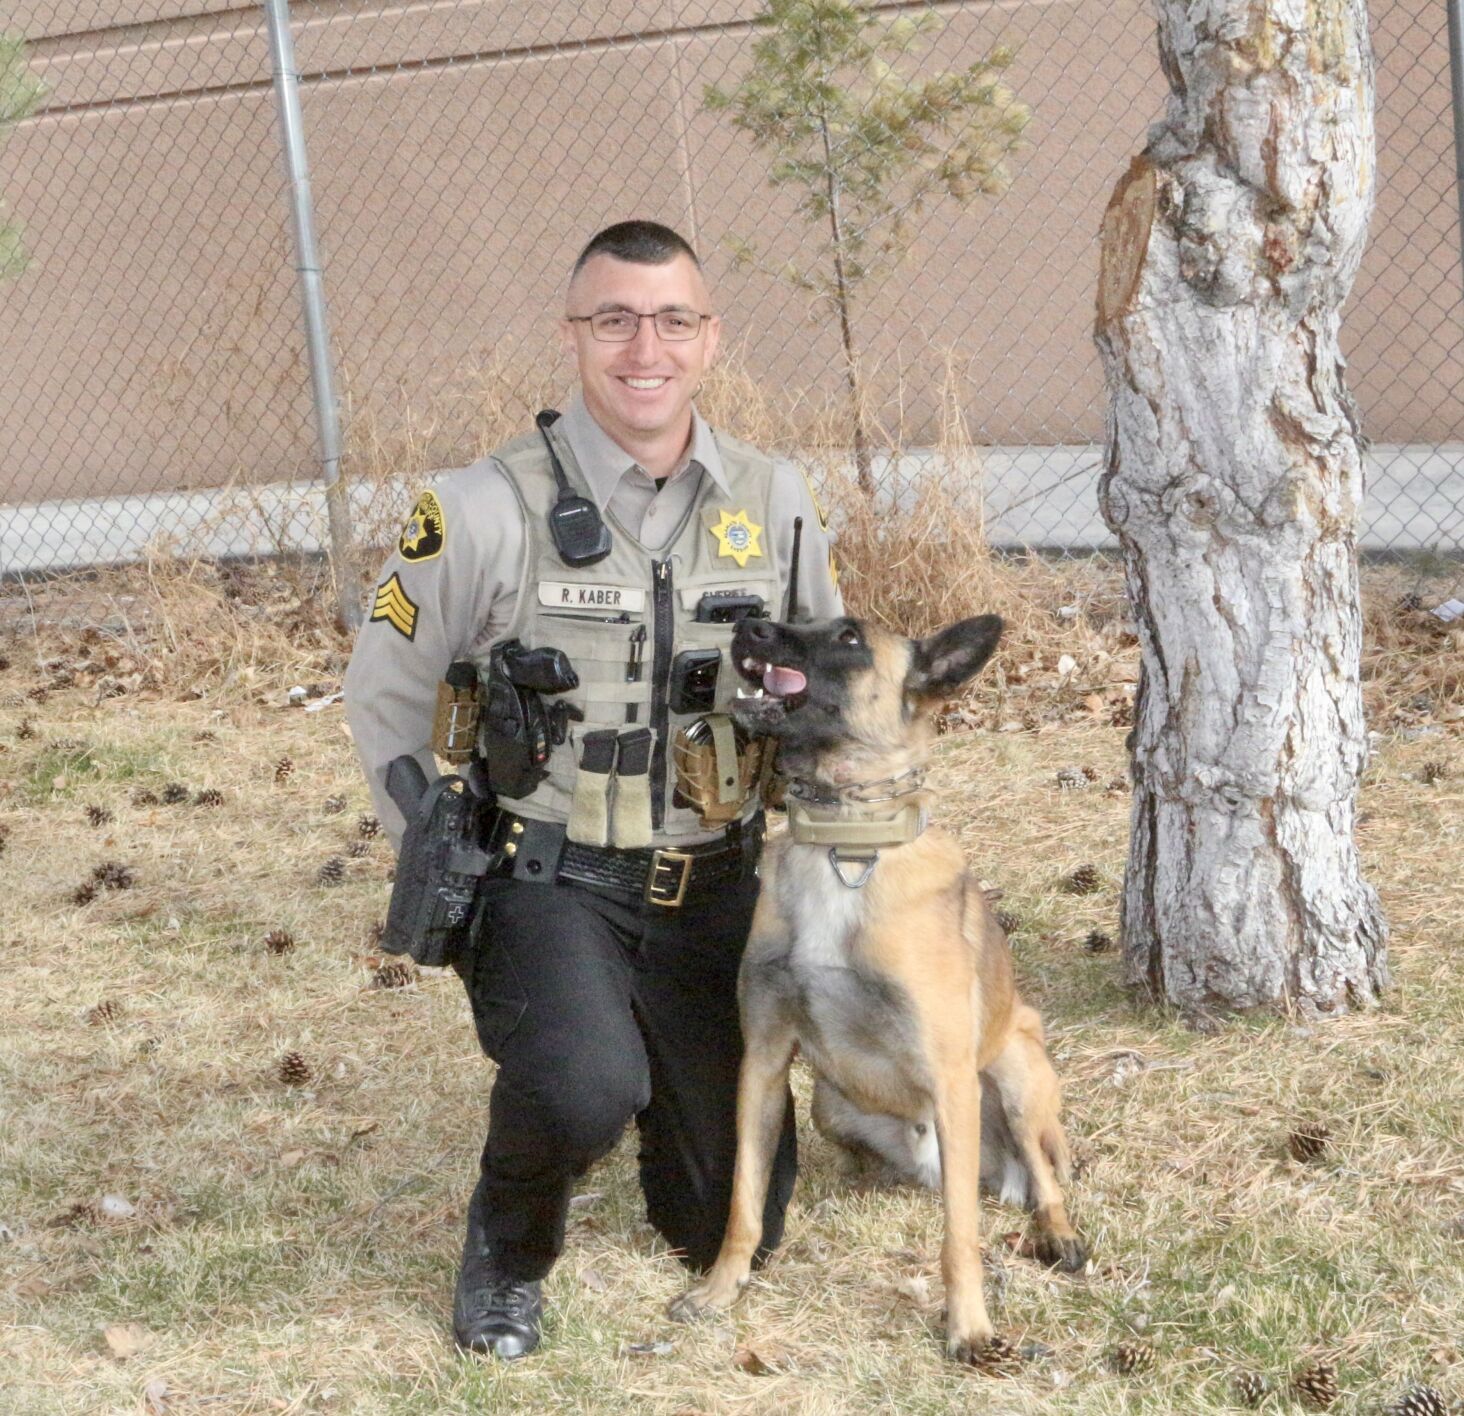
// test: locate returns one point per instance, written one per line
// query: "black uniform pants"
(597, 1012)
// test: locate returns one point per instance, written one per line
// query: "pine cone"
(294, 1070)
(368, 826)
(1420, 1400)
(70, 747)
(107, 1011)
(334, 805)
(1132, 1359)
(25, 732)
(143, 797)
(1001, 1357)
(1097, 942)
(84, 893)
(1316, 1386)
(1410, 602)
(397, 974)
(39, 694)
(1008, 922)
(357, 849)
(111, 875)
(1250, 1388)
(98, 815)
(205, 735)
(284, 769)
(12, 700)
(174, 794)
(82, 1212)
(1071, 779)
(1085, 880)
(332, 872)
(1433, 771)
(1091, 773)
(209, 796)
(279, 941)
(1308, 1142)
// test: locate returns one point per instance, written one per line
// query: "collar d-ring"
(863, 877)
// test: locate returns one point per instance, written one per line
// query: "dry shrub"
(1412, 662)
(258, 628)
(389, 451)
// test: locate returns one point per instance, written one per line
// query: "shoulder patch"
(395, 606)
(423, 536)
(823, 519)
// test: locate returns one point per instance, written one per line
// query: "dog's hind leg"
(907, 1148)
(1029, 1137)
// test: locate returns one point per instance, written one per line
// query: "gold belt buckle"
(666, 893)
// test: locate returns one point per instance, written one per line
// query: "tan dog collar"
(861, 827)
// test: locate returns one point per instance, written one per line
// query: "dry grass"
(292, 1247)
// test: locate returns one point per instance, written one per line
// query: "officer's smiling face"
(643, 389)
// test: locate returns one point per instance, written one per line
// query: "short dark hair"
(641, 242)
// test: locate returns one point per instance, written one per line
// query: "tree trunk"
(1233, 482)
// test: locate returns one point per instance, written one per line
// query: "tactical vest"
(595, 614)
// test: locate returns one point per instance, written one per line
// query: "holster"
(446, 854)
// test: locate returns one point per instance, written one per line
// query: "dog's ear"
(943, 662)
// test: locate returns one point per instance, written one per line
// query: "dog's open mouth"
(788, 686)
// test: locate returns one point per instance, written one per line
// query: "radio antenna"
(791, 609)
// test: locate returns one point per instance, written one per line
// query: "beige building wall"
(461, 154)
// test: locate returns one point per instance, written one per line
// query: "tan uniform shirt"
(461, 596)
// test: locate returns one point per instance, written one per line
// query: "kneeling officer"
(605, 917)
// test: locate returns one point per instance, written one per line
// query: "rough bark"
(1233, 482)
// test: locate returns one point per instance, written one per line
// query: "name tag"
(558, 595)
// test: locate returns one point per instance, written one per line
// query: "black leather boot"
(493, 1312)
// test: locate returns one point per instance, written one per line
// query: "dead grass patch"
(293, 1246)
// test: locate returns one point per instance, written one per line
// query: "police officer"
(603, 963)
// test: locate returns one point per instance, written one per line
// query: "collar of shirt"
(605, 464)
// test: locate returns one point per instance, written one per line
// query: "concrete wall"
(462, 152)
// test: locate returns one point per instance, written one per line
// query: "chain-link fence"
(158, 391)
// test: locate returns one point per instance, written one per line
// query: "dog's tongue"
(783, 682)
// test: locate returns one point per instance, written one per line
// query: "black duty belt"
(667, 877)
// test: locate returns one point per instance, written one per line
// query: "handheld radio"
(579, 534)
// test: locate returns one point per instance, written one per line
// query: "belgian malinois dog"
(882, 962)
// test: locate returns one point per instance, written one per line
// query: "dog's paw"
(687, 1308)
(1065, 1252)
(705, 1297)
(993, 1354)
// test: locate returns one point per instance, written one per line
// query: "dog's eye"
(850, 636)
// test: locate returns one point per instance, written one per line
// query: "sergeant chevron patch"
(395, 606)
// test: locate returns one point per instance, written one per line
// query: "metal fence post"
(1456, 75)
(312, 301)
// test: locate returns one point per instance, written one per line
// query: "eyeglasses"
(621, 326)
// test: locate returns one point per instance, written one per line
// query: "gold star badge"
(395, 606)
(737, 537)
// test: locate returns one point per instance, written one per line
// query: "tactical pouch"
(455, 724)
(589, 813)
(718, 767)
(445, 857)
(630, 816)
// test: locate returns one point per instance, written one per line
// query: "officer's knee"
(585, 1116)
